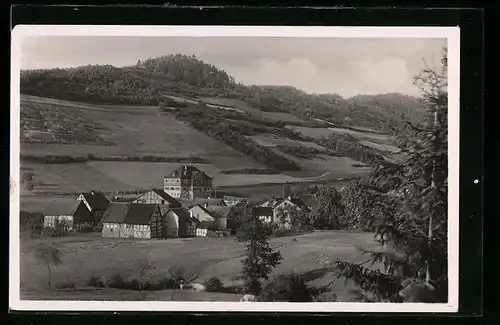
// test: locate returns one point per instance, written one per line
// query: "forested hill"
(149, 79)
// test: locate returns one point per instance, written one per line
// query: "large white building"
(188, 182)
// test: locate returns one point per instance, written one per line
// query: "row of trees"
(145, 83)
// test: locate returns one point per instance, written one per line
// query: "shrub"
(214, 284)
(116, 281)
(286, 287)
(328, 296)
(66, 285)
(177, 273)
(95, 281)
(162, 284)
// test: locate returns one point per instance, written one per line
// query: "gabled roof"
(218, 211)
(171, 201)
(296, 201)
(96, 200)
(59, 208)
(187, 172)
(136, 213)
(200, 201)
(183, 213)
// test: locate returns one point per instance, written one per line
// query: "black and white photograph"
(233, 168)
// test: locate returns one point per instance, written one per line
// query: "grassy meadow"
(89, 255)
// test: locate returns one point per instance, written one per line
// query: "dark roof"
(218, 211)
(59, 208)
(184, 214)
(140, 214)
(297, 201)
(201, 201)
(262, 211)
(173, 202)
(136, 213)
(96, 200)
(187, 172)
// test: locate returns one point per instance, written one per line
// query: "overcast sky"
(346, 66)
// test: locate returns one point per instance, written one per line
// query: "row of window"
(186, 181)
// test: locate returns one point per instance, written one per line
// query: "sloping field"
(135, 131)
(88, 255)
(69, 178)
(243, 106)
(272, 140)
(319, 133)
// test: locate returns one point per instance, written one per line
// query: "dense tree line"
(145, 83)
(236, 136)
(347, 146)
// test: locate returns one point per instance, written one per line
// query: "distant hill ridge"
(149, 79)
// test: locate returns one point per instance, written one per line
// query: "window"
(162, 201)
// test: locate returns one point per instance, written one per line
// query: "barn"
(123, 220)
(157, 196)
(71, 213)
(96, 202)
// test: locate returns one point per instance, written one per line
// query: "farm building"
(71, 213)
(157, 196)
(141, 220)
(215, 216)
(188, 182)
(282, 207)
(264, 213)
(96, 203)
(188, 204)
(178, 223)
(232, 200)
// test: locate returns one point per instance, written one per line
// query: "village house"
(97, 203)
(188, 204)
(188, 182)
(263, 213)
(123, 220)
(210, 216)
(232, 200)
(157, 196)
(70, 213)
(282, 209)
(145, 220)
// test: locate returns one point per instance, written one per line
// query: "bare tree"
(49, 256)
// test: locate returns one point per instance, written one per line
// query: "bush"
(162, 284)
(286, 287)
(116, 281)
(66, 285)
(214, 284)
(95, 281)
(328, 296)
(177, 273)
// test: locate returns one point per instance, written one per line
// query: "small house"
(265, 214)
(232, 200)
(70, 213)
(210, 216)
(282, 209)
(97, 203)
(157, 196)
(123, 220)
